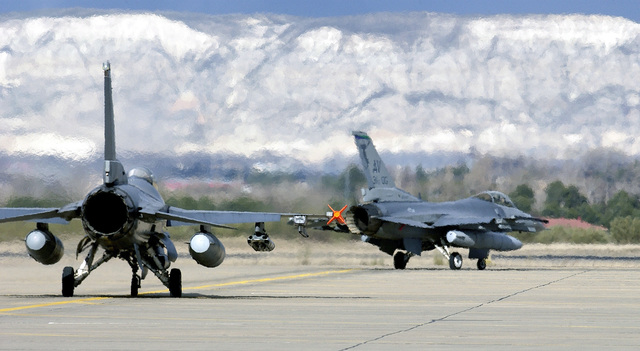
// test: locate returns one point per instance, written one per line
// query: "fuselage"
(471, 214)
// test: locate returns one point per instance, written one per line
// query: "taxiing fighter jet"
(126, 217)
(400, 223)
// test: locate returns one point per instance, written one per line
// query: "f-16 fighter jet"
(126, 218)
(400, 223)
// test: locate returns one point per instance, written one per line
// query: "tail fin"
(109, 124)
(113, 169)
(381, 184)
(377, 174)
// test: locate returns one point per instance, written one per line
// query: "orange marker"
(337, 215)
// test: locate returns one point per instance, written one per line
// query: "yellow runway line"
(10, 309)
(241, 282)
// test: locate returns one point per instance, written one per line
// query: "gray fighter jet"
(126, 217)
(396, 221)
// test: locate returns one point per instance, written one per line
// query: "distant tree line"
(621, 214)
(525, 182)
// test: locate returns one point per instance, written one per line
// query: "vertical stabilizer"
(113, 169)
(109, 124)
(374, 169)
(381, 184)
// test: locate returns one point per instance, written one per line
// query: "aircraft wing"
(534, 219)
(55, 215)
(452, 221)
(176, 216)
(516, 223)
(405, 221)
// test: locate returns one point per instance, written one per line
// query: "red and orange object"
(337, 215)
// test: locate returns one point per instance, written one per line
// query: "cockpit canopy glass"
(496, 197)
(142, 173)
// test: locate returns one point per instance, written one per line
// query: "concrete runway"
(275, 307)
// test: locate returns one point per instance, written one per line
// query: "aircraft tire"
(135, 285)
(482, 264)
(399, 260)
(175, 283)
(455, 261)
(68, 281)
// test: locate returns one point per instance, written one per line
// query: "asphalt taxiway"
(323, 307)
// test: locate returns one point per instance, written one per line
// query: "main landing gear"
(175, 283)
(68, 284)
(172, 279)
(72, 278)
(482, 264)
(400, 260)
(455, 261)
(454, 258)
(135, 285)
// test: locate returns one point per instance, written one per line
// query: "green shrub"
(626, 230)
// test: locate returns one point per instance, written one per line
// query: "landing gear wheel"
(175, 283)
(68, 283)
(482, 264)
(400, 260)
(135, 285)
(455, 261)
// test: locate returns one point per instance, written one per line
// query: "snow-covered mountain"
(419, 83)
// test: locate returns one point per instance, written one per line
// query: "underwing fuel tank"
(459, 238)
(206, 249)
(43, 246)
(485, 240)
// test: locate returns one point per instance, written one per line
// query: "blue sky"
(625, 8)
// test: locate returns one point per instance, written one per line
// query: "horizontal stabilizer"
(42, 215)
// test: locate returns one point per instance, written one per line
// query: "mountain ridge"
(549, 86)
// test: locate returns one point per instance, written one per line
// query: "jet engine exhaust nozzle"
(108, 212)
(363, 219)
